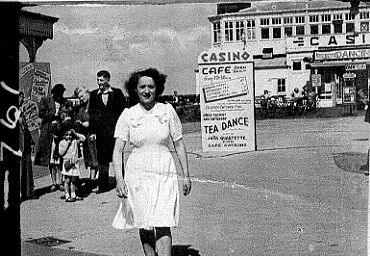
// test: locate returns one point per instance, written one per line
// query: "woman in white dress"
(149, 180)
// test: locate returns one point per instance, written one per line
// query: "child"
(62, 123)
(68, 148)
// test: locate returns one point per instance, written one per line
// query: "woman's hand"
(186, 187)
(121, 189)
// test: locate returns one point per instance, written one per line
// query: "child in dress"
(68, 148)
(59, 127)
(69, 151)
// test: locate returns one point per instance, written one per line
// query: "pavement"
(303, 192)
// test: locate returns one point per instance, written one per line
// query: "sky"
(122, 39)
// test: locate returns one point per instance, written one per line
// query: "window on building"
(267, 53)
(229, 31)
(337, 16)
(299, 30)
(288, 20)
(338, 28)
(308, 66)
(299, 19)
(275, 21)
(239, 30)
(265, 21)
(350, 16)
(251, 29)
(314, 18)
(364, 15)
(265, 33)
(297, 65)
(281, 85)
(364, 26)
(288, 31)
(217, 32)
(325, 17)
(325, 29)
(350, 27)
(314, 29)
(276, 32)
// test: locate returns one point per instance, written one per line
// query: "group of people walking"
(97, 130)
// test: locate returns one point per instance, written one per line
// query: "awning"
(270, 63)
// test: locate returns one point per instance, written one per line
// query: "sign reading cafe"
(226, 82)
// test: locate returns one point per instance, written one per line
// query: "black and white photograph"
(263, 109)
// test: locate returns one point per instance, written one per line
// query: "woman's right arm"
(121, 188)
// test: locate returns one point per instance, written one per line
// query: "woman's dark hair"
(131, 84)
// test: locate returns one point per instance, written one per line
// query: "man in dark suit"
(106, 105)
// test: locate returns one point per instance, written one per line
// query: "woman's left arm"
(181, 153)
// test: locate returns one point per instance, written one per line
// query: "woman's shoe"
(95, 190)
(53, 188)
(78, 198)
(70, 200)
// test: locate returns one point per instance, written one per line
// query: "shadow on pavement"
(85, 188)
(184, 250)
(351, 162)
(29, 249)
(42, 191)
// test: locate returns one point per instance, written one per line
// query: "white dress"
(71, 154)
(150, 171)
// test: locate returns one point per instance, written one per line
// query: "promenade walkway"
(302, 193)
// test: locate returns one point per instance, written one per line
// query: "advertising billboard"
(226, 82)
(34, 82)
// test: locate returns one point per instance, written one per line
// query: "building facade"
(320, 46)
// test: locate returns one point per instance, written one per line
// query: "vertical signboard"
(349, 95)
(316, 80)
(226, 82)
(34, 82)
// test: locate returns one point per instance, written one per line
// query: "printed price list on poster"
(226, 89)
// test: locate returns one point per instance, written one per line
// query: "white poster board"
(34, 82)
(226, 82)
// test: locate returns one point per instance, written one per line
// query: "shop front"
(344, 75)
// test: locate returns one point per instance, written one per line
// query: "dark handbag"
(68, 165)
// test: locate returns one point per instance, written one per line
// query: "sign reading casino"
(299, 43)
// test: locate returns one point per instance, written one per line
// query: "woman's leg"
(59, 178)
(53, 176)
(92, 177)
(163, 241)
(73, 189)
(66, 187)
(92, 173)
(147, 238)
